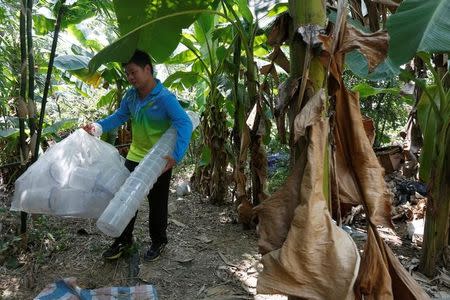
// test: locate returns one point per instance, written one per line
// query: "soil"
(209, 255)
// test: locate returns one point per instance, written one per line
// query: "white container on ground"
(127, 200)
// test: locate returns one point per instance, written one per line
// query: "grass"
(278, 178)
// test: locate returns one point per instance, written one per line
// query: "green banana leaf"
(182, 58)
(244, 10)
(58, 126)
(205, 157)
(80, 36)
(366, 90)
(77, 66)
(223, 32)
(77, 12)
(107, 99)
(428, 124)
(182, 80)
(10, 132)
(357, 63)
(151, 25)
(44, 21)
(417, 26)
(71, 62)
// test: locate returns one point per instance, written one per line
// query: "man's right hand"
(88, 128)
(93, 129)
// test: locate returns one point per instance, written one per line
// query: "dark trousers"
(157, 217)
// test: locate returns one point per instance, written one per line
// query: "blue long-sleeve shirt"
(150, 118)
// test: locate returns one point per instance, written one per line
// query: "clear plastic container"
(73, 202)
(117, 222)
(35, 201)
(83, 178)
(129, 197)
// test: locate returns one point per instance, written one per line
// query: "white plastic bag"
(76, 177)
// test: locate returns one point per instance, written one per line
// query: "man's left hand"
(170, 163)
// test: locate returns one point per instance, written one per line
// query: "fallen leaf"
(176, 222)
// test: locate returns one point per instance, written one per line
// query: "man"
(152, 110)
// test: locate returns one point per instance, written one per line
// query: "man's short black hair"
(141, 59)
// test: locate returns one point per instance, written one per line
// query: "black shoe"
(116, 250)
(154, 252)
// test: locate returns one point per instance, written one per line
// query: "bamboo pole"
(21, 107)
(31, 103)
(23, 219)
(47, 80)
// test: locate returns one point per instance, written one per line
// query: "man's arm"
(119, 117)
(183, 125)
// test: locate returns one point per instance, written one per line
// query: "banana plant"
(208, 48)
(426, 36)
(433, 111)
(210, 54)
(252, 119)
(243, 41)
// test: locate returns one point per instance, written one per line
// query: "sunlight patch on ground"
(11, 286)
(389, 236)
(246, 272)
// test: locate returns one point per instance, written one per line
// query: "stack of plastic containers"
(128, 199)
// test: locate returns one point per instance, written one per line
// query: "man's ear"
(149, 69)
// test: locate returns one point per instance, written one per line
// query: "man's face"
(136, 75)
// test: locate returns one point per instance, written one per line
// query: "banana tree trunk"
(438, 211)
(238, 107)
(211, 179)
(250, 138)
(436, 232)
(217, 141)
(237, 133)
(308, 16)
(374, 15)
(355, 9)
(303, 64)
(258, 158)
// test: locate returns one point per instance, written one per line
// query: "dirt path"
(209, 256)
